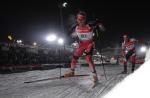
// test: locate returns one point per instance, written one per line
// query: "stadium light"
(143, 49)
(19, 41)
(10, 37)
(97, 53)
(51, 38)
(64, 4)
(60, 41)
(34, 44)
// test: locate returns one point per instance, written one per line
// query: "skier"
(87, 34)
(128, 52)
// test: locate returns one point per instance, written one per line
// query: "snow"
(13, 86)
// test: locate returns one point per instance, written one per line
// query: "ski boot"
(69, 74)
(124, 72)
(95, 81)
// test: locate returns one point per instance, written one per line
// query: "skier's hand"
(74, 35)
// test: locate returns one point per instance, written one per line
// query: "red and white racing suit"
(128, 50)
(86, 44)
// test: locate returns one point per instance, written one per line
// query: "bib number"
(83, 36)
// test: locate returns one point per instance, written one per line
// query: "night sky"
(32, 21)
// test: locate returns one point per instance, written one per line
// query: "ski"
(53, 78)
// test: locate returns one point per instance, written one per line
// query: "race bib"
(85, 36)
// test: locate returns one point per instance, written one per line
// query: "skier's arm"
(73, 34)
(98, 25)
(98, 29)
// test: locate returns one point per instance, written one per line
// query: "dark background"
(32, 21)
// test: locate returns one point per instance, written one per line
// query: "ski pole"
(103, 66)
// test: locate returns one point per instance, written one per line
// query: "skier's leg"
(78, 52)
(92, 67)
(133, 60)
(125, 64)
(89, 51)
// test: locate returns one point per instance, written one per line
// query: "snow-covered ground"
(13, 86)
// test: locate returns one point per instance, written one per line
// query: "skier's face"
(81, 19)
